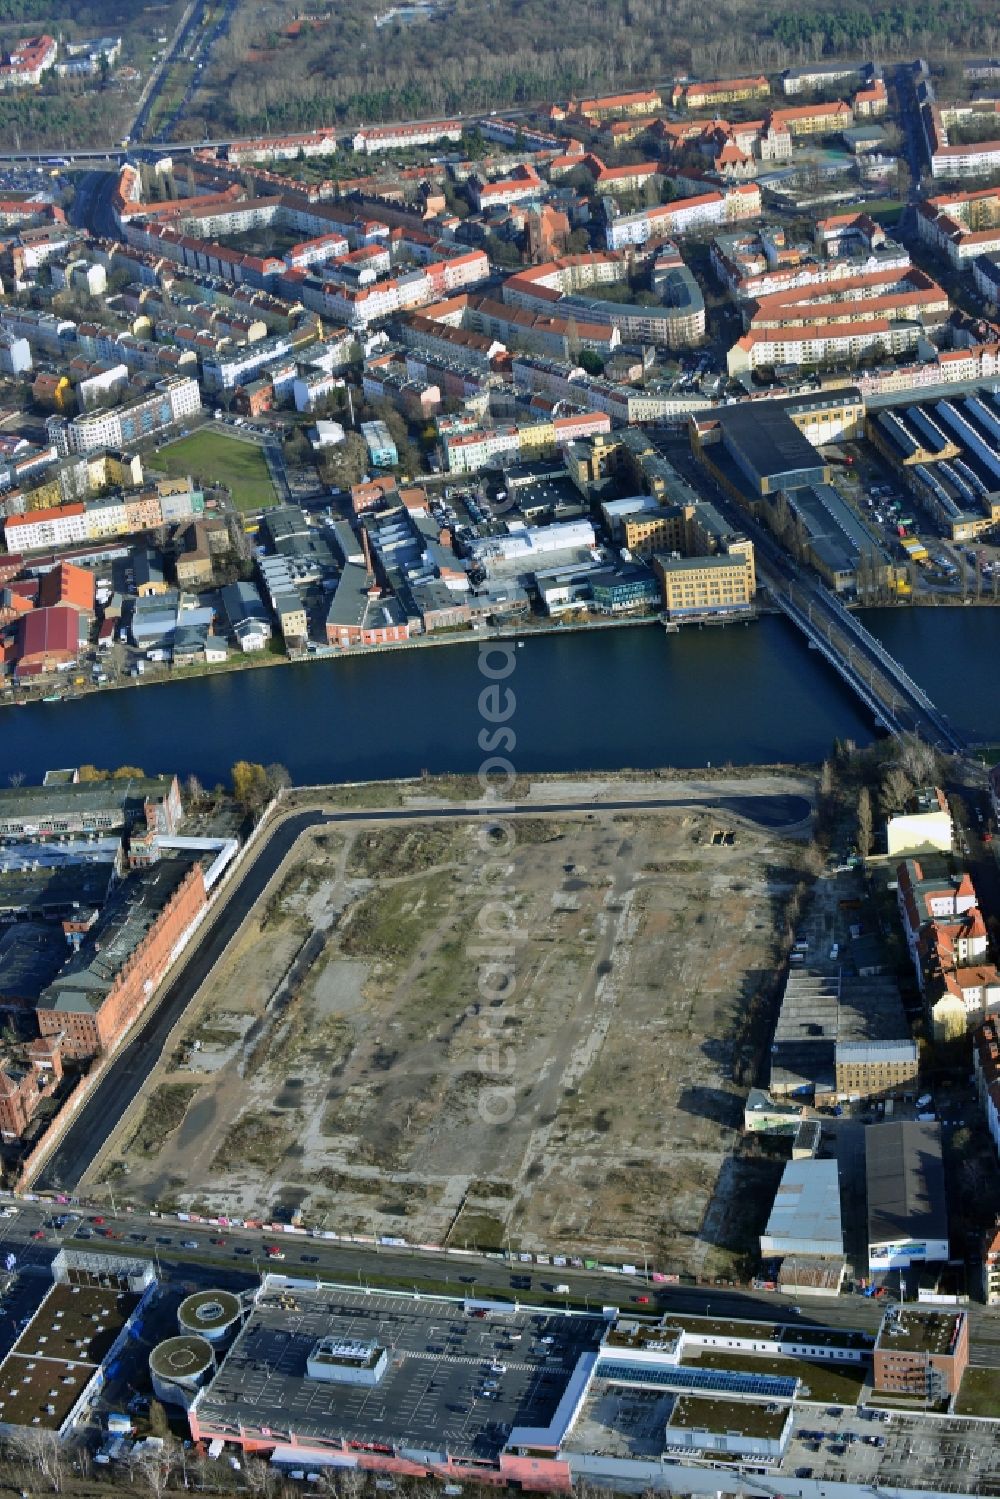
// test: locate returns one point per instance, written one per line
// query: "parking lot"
(880, 1448)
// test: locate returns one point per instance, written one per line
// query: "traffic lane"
(245, 1250)
(194, 1244)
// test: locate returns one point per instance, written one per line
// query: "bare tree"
(40, 1448)
(155, 1466)
(918, 760)
(16, 778)
(864, 822)
(194, 791)
(897, 788)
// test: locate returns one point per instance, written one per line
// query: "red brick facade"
(88, 1034)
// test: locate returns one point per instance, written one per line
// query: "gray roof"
(242, 604)
(874, 1052)
(720, 561)
(806, 1211)
(905, 1180)
(137, 903)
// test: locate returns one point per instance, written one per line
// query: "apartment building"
(498, 447)
(173, 400)
(684, 216)
(24, 63)
(911, 297)
(840, 343)
(59, 526)
(948, 160)
(614, 106)
(628, 179)
(813, 119)
(961, 225)
(721, 91)
(825, 75)
(928, 893)
(283, 147)
(522, 184)
(871, 101)
(375, 138)
(990, 1259)
(986, 1065)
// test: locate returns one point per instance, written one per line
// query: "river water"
(585, 701)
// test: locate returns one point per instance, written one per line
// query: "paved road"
(139, 1056)
(185, 1251)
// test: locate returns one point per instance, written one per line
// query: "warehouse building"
(842, 1036)
(761, 448)
(907, 1213)
(805, 1218)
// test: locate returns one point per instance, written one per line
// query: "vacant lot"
(214, 458)
(357, 1056)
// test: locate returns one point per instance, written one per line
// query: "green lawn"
(214, 458)
(980, 1394)
(823, 1381)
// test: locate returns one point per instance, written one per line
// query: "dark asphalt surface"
(186, 1253)
(139, 1056)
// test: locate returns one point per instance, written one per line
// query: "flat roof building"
(921, 1352)
(907, 1213)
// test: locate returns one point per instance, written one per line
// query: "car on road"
(97, 1220)
(219, 1242)
(310, 1259)
(189, 1243)
(642, 1300)
(274, 1253)
(242, 1249)
(39, 1233)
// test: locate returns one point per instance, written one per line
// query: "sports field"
(215, 458)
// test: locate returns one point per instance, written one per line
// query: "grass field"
(212, 457)
(980, 1393)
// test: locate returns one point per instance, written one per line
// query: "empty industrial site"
(343, 1062)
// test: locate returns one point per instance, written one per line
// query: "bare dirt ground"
(343, 1061)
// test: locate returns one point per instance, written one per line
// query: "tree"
(591, 361)
(40, 1448)
(250, 785)
(864, 822)
(128, 773)
(91, 773)
(897, 788)
(194, 791)
(155, 1467)
(278, 779)
(918, 760)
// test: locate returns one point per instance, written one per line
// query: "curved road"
(133, 1065)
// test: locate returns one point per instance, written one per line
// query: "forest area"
(279, 70)
(78, 17)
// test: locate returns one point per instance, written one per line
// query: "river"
(585, 701)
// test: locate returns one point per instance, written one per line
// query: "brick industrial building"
(105, 986)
